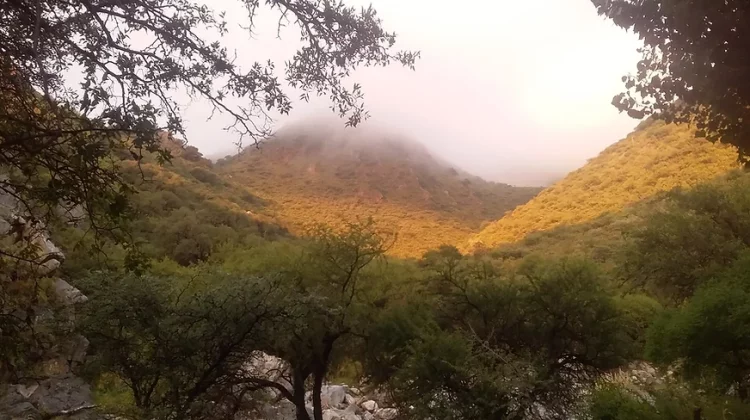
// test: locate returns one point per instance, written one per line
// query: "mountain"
(655, 157)
(322, 174)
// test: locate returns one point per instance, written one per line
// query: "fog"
(513, 91)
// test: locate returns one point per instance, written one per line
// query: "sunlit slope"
(326, 176)
(655, 157)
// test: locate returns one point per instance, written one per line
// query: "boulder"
(370, 405)
(68, 294)
(283, 410)
(333, 396)
(14, 404)
(57, 395)
(69, 396)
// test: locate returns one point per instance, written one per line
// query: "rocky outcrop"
(340, 402)
(48, 388)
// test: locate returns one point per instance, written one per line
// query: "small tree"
(180, 342)
(502, 345)
(690, 237)
(330, 297)
(710, 334)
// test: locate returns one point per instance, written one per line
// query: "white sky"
(511, 90)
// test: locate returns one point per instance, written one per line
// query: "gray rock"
(334, 414)
(331, 414)
(56, 395)
(370, 405)
(14, 405)
(283, 410)
(333, 396)
(67, 293)
(4, 227)
(350, 400)
(386, 414)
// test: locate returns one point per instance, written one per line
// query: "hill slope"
(324, 175)
(185, 211)
(655, 157)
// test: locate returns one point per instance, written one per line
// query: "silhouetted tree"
(695, 65)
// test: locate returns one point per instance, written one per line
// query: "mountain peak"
(320, 173)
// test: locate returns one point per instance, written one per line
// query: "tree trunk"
(298, 390)
(697, 413)
(742, 391)
(317, 387)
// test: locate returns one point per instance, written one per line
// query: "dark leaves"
(695, 65)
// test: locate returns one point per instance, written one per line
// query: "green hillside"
(184, 210)
(324, 176)
(656, 157)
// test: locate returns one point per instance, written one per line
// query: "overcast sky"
(511, 90)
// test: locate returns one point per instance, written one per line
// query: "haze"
(512, 91)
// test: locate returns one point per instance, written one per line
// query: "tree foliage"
(689, 237)
(709, 334)
(501, 345)
(179, 342)
(693, 68)
(130, 57)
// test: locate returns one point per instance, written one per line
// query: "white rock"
(370, 405)
(349, 400)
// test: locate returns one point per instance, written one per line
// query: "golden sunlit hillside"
(316, 174)
(655, 157)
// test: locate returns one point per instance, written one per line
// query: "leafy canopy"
(694, 66)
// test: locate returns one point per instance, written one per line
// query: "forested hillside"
(183, 210)
(315, 174)
(655, 157)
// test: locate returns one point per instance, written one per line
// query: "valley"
(356, 267)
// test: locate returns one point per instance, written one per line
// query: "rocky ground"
(340, 402)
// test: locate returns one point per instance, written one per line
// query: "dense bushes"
(505, 333)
